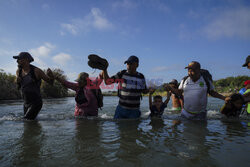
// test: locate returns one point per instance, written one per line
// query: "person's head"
(194, 70)
(247, 84)
(82, 79)
(132, 64)
(157, 101)
(173, 83)
(23, 59)
(247, 62)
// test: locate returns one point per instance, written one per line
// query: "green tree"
(8, 87)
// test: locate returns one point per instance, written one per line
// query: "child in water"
(234, 106)
(158, 106)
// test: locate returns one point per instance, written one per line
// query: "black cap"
(174, 81)
(132, 59)
(24, 55)
(247, 61)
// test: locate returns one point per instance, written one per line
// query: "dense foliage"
(8, 87)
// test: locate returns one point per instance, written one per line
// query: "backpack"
(99, 96)
(207, 77)
(80, 97)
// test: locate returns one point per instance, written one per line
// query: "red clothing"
(90, 108)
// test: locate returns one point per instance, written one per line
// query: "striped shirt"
(131, 87)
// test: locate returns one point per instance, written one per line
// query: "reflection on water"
(59, 139)
(29, 145)
(87, 142)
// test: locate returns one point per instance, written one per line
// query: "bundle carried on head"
(97, 62)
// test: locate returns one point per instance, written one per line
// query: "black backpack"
(80, 97)
(207, 77)
(99, 96)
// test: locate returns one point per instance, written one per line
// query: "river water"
(57, 138)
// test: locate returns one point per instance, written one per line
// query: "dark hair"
(157, 97)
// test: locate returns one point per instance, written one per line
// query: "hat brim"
(16, 57)
(126, 62)
(188, 68)
(244, 65)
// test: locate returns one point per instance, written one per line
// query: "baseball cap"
(193, 65)
(24, 55)
(132, 59)
(174, 81)
(247, 82)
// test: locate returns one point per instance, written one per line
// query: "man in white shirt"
(195, 88)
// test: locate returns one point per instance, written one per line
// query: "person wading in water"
(29, 80)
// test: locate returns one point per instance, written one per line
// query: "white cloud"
(127, 4)
(94, 20)
(72, 28)
(61, 58)
(229, 23)
(99, 21)
(42, 51)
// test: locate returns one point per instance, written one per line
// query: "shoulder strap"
(20, 72)
(207, 83)
(184, 79)
(32, 72)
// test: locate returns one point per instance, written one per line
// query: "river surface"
(57, 138)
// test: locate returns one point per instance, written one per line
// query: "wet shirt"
(30, 89)
(90, 106)
(195, 94)
(155, 112)
(130, 89)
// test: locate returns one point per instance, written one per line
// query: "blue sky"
(165, 35)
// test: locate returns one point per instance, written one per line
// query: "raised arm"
(107, 79)
(66, 83)
(41, 75)
(177, 92)
(168, 98)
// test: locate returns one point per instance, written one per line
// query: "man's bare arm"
(107, 79)
(41, 75)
